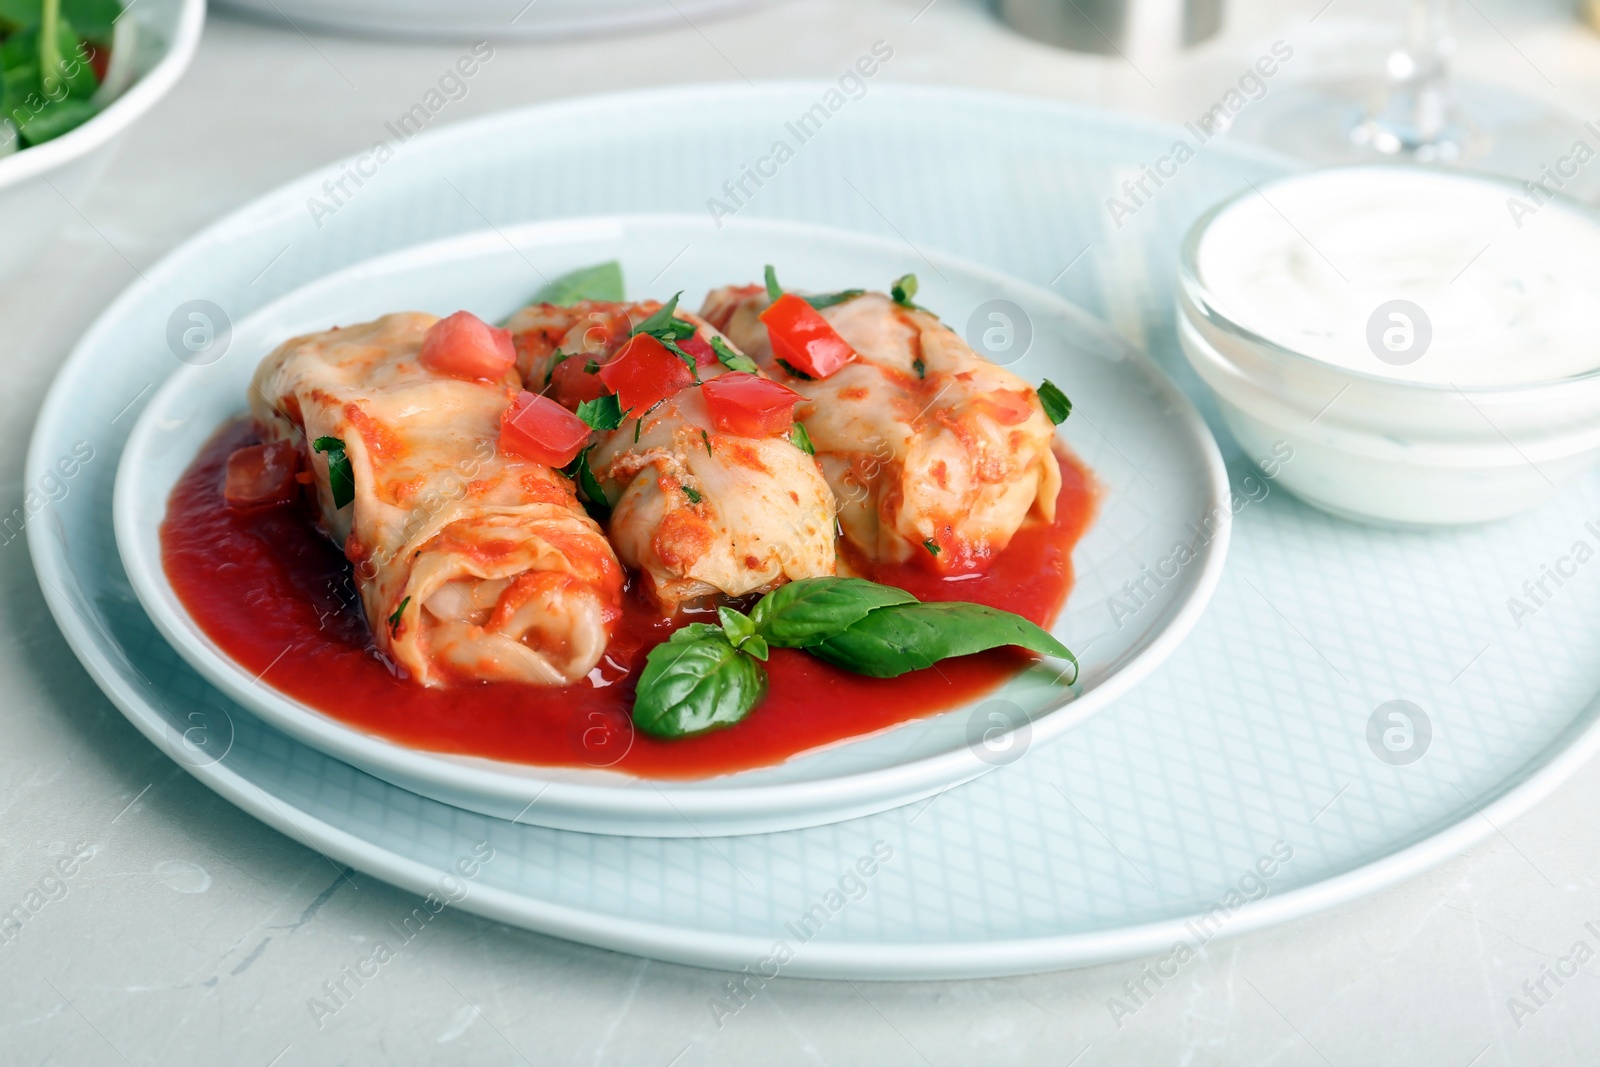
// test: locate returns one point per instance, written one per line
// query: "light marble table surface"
(196, 935)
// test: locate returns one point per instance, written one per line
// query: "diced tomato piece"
(259, 475)
(537, 428)
(464, 346)
(704, 355)
(571, 383)
(644, 373)
(750, 406)
(802, 338)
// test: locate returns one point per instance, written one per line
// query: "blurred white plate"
(492, 19)
(1123, 406)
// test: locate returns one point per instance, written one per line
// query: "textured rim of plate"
(122, 112)
(1536, 778)
(833, 799)
(637, 20)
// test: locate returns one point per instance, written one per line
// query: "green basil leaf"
(893, 640)
(341, 478)
(802, 613)
(603, 281)
(802, 440)
(602, 414)
(774, 290)
(692, 493)
(827, 300)
(740, 630)
(731, 359)
(932, 546)
(1056, 404)
(696, 681)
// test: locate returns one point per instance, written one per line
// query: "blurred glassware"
(1418, 112)
(1134, 29)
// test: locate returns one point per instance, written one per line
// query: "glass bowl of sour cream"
(1427, 341)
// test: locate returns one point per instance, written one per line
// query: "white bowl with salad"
(63, 105)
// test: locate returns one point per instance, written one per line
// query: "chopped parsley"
(931, 545)
(665, 327)
(827, 300)
(555, 362)
(588, 485)
(1056, 404)
(394, 620)
(903, 289)
(795, 371)
(341, 478)
(692, 493)
(920, 367)
(707, 439)
(728, 357)
(820, 301)
(603, 414)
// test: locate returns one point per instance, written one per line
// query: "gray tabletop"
(179, 930)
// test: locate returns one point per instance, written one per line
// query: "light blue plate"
(1143, 509)
(1252, 765)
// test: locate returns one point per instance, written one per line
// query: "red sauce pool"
(280, 599)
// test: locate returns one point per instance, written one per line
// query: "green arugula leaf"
(827, 300)
(802, 440)
(394, 620)
(774, 290)
(603, 281)
(731, 359)
(603, 414)
(1056, 404)
(892, 640)
(341, 478)
(802, 613)
(695, 681)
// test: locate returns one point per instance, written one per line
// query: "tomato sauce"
(280, 599)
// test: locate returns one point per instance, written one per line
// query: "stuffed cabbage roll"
(472, 563)
(934, 453)
(707, 492)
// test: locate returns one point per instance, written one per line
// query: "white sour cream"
(1310, 263)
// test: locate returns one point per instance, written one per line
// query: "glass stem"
(1417, 115)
